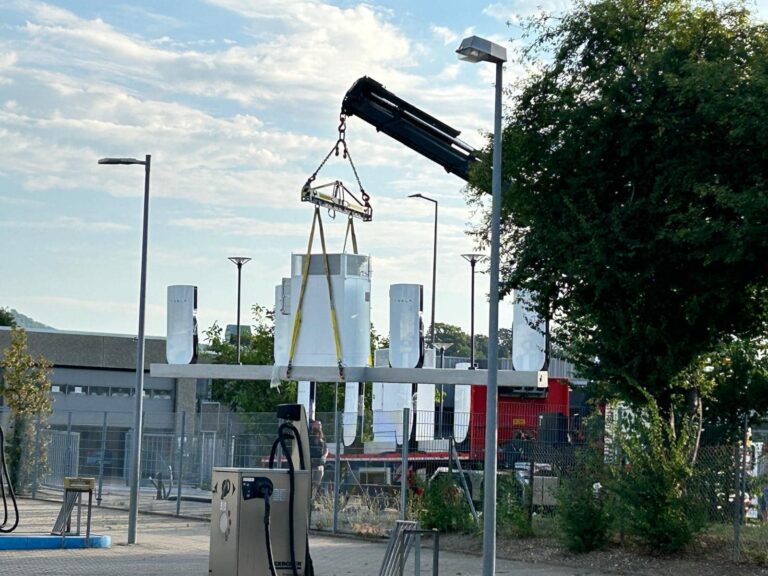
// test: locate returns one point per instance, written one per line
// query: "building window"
(161, 394)
(73, 389)
(120, 392)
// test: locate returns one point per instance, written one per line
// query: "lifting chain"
(341, 144)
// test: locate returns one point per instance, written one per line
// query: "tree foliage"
(6, 318)
(454, 335)
(637, 206)
(25, 384)
(26, 389)
(258, 349)
(735, 385)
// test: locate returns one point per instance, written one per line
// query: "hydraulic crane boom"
(370, 101)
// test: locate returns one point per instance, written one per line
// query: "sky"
(237, 101)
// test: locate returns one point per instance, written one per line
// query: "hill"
(25, 321)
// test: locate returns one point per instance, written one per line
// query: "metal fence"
(369, 481)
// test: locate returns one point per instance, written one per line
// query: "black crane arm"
(370, 101)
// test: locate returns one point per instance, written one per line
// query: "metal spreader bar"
(337, 198)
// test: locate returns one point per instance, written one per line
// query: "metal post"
(35, 479)
(435, 552)
(491, 439)
(404, 463)
(215, 447)
(133, 509)
(442, 394)
(102, 453)
(69, 444)
(230, 442)
(239, 279)
(741, 480)
(472, 318)
(434, 282)
(336, 470)
(179, 472)
(417, 555)
(238, 261)
(473, 259)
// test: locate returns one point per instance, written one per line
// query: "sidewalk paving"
(169, 546)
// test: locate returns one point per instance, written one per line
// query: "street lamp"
(434, 267)
(133, 507)
(472, 259)
(238, 261)
(475, 49)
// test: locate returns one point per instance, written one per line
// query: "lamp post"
(475, 49)
(442, 347)
(434, 267)
(133, 507)
(238, 261)
(472, 259)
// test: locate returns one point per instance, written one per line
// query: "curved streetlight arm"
(434, 268)
(124, 161)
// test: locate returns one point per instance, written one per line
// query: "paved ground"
(172, 546)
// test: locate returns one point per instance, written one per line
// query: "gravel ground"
(704, 559)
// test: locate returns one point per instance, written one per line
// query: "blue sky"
(237, 101)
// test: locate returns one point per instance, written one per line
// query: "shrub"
(582, 510)
(512, 519)
(653, 486)
(445, 506)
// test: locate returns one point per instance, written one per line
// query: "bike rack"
(404, 535)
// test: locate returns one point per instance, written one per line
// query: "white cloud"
(445, 35)
(66, 223)
(240, 226)
(518, 10)
(234, 128)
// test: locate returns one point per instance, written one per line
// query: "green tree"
(25, 387)
(6, 318)
(637, 203)
(505, 343)
(735, 385)
(450, 334)
(257, 349)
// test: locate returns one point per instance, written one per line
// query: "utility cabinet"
(238, 535)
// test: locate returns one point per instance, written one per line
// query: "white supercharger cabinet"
(351, 283)
(283, 322)
(461, 407)
(528, 341)
(406, 350)
(181, 335)
(425, 402)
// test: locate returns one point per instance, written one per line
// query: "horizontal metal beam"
(514, 378)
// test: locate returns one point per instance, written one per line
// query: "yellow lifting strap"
(350, 231)
(316, 219)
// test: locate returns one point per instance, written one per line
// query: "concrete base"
(440, 445)
(49, 542)
(379, 447)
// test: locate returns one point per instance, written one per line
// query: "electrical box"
(238, 533)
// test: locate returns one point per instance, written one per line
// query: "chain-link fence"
(377, 464)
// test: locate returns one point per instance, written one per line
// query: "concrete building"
(93, 390)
